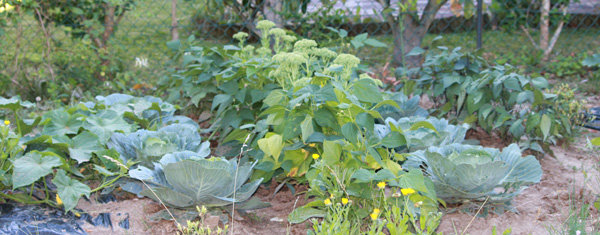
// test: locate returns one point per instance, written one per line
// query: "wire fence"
(37, 57)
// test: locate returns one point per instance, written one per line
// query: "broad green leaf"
(69, 190)
(416, 51)
(174, 45)
(374, 43)
(423, 124)
(363, 176)
(276, 97)
(350, 132)
(14, 103)
(545, 125)
(61, 123)
(366, 91)
(301, 214)
(393, 140)
(307, 128)
(222, 100)
(331, 152)
(83, 145)
(540, 83)
(32, 166)
(186, 180)
(106, 122)
(325, 118)
(517, 129)
(365, 120)
(271, 145)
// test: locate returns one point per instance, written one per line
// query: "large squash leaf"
(32, 166)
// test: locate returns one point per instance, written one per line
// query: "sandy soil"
(272, 219)
(543, 205)
(138, 211)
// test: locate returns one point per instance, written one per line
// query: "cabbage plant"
(148, 147)
(186, 179)
(472, 173)
(422, 132)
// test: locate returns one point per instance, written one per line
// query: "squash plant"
(46, 159)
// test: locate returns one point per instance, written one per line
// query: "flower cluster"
(240, 36)
(265, 25)
(304, 45)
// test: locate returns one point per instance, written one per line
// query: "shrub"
(466, 88)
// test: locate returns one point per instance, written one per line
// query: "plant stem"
(106, 184)
(23, 201)
(18, 122)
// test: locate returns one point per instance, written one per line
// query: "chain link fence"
(38, 58)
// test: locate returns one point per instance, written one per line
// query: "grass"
(142, 33)
(144, 30)
(512, 47)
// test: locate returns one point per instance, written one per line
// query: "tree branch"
(431, 9)
(556, 35)
(529, 36)
(47, 37)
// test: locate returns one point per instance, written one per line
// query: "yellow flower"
(315, 156)
(6, 122)
(58, 200)
(344, 200)
(381, 185)
(6, 7)
(77, 214)
(312, 145)
(375, 214)
(331, 196)
(407, 191)
(327, 202)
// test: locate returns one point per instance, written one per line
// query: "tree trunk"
(174, 24)
(411, 33)
(545, 25)
(405, 40)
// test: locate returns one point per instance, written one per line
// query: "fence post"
(479, 22)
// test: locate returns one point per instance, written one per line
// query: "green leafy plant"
(465, 173)
(54, 154)
(199, 227)
(406, 107)
(15, 104)
(185, 180)
(147, 147)
(496, 98)
(360, 200)
(420, 132)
